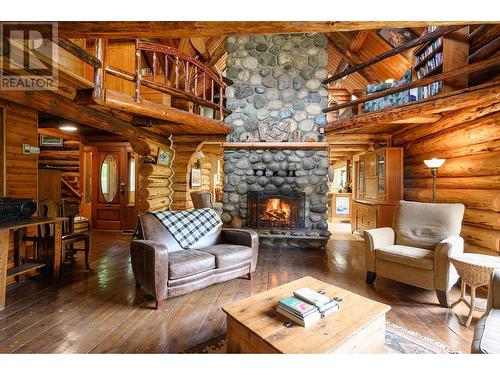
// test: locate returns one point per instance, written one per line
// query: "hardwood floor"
(102, 312)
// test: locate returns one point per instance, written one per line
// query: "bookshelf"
(438, 56)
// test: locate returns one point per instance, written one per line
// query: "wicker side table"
(474, 270)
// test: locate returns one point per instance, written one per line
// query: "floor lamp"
(433, 165)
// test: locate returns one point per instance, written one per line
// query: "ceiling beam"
(341, 45)
(395, 51)
(186, 29)
(358, 40)
(200, 47)
(442, 103)
(59, 106)
(58, 133)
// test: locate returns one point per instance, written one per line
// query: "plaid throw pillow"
(188, 227)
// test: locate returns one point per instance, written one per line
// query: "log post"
(138, 57)
(101, 51)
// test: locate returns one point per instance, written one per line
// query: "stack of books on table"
(306, 306)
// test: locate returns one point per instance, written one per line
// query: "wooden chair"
(46, 208)
(69, 236)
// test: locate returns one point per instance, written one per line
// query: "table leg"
(4, 254)
(472, 304)
(462, 294)
(19, 248)
(57, 250)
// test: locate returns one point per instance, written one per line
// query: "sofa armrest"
(445, 275)
(375, 239)
(242, 237)
(494, 291)
(150, 266)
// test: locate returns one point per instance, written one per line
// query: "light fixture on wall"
(434, 164)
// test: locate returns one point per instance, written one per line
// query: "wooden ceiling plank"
(395, 51)
(358, 40)
(351, 57)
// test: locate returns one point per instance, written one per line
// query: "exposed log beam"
(58, 133)
(186, 29)
(482, 94)
(189, 123)
(359, 40)
(351, 57)
(62, 107)
(200, 47)
(395, 51)
(78, 52)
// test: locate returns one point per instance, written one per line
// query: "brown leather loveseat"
(164, 269)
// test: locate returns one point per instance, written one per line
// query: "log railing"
(184, 77)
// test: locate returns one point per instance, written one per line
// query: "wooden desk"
(6, 227)
(358, 326)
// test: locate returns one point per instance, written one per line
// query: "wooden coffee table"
(357, 327)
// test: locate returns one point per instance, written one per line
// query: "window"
(132, 161)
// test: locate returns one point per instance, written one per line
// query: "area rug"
(398, 340)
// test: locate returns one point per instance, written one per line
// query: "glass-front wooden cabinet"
(379, 186)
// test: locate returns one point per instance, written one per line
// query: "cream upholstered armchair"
(487, 332)
(417, 249)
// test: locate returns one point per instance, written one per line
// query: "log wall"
(66, 159)
(471, 174)
(21, 170)
(154, 185)
(185, 147)
(212, 154)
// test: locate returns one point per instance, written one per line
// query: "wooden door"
(109, 187)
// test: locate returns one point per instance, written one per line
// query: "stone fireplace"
(277, 96)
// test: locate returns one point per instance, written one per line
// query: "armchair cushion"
(229, 255)
(189, 262)
(487, 334)
(494, 291)
(407, 255)
(425, 225)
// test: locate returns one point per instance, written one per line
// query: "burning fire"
(277, 211)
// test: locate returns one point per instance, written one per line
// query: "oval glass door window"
(109, 178)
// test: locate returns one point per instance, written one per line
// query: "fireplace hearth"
(275, 210)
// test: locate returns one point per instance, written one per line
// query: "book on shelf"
(430, 65)
(306, 307)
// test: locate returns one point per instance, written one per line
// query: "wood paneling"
(2, 152)
(470, 174)
(21, 171)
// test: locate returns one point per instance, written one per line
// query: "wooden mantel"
(285, 145)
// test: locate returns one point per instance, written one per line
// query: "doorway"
(113, 188)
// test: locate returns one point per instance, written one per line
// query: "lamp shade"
(434, 163)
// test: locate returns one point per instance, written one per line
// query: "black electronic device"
(16, 208)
